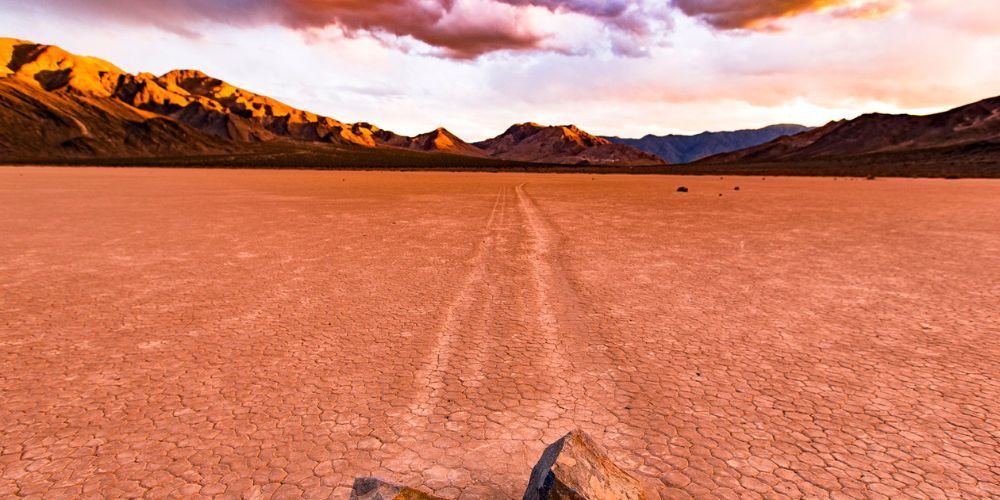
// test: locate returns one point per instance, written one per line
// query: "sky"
(612, 67)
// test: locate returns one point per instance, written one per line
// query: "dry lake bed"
(221, 332)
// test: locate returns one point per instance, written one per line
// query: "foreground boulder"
(372, 488)
(575, 468)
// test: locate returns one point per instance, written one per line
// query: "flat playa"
(181, 332)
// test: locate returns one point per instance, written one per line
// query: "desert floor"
(182, 332)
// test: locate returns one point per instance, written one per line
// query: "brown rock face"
(372, 488)
(575, 468)
(53, 68)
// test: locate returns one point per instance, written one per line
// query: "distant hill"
(962, 139)
(676, 149)
(565, 144)
(443, 140)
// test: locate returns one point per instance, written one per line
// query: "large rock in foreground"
(576, 468)
(372, 488)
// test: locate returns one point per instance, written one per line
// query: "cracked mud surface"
(277, 333)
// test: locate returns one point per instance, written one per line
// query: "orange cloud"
(869, 10)
(759, 14)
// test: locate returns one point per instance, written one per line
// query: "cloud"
(446, 25)
(466, 29)
(453, 28)
(632, 26)
(760, 14)
(460, 29)
(869, 10)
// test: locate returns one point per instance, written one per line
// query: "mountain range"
(688, 148)
(54, 104)
(957, 130)
(58, 107)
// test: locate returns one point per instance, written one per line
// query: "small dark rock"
(682, 189)
(737, 188)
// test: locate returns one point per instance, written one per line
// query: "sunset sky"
(612, 67)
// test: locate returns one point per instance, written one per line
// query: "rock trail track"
(501, 355)
(221, 333)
